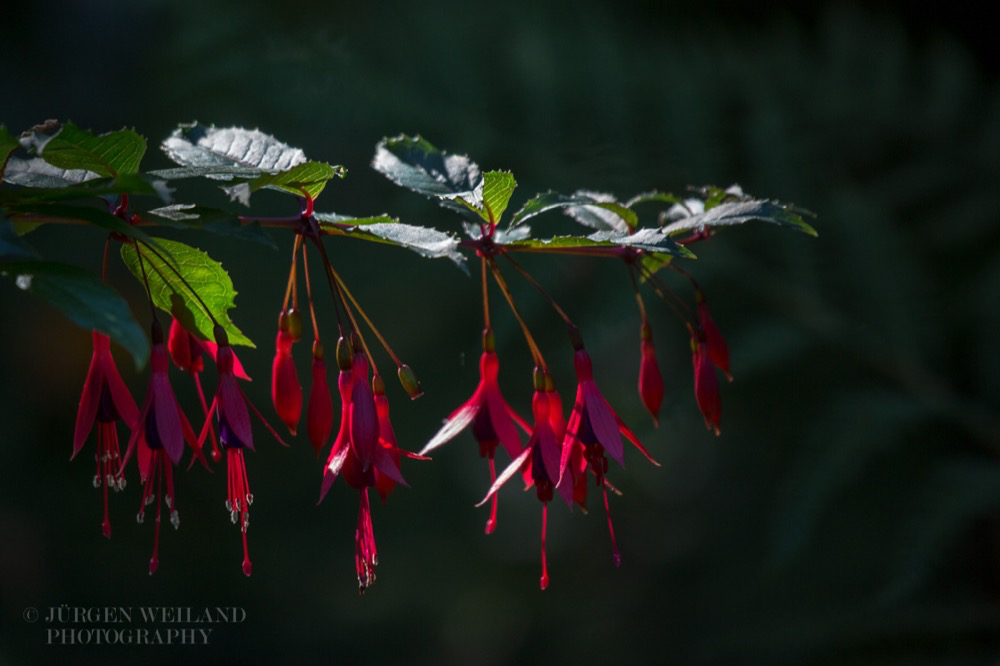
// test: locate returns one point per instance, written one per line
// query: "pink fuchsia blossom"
(159, 437)
(706, 385)
(105, 400)
(359, 453)
(539, 462)
(187, 353)
(717, 349)
(492, 419)
(319, 414)
(594, 429)
(286, 391)
(233, 419)
(650, 380)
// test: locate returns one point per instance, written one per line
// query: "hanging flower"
(187, 353)
(160, 434)
(235, 434)
(359, 432)
(718, 350)
(706, 385)
(286, 392)
(539, 461)
(492, 419)
(106, 400)
(650, 380)
(594, 430)
(319, 414)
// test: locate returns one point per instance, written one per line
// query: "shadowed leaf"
(84, 299)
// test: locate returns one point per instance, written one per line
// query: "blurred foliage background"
(848, 513)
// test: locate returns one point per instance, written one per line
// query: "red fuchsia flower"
(106, 400)
(233, 419)
(319, 414)
(718, 350)
(385, 483)
(706, 385)
(594, 430)
(160, 434)
(650, 380)
(358, 440)
(286, 392)
(187, 351)
(492, 419)
(540, 460)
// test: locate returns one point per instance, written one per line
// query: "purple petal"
(604, 423)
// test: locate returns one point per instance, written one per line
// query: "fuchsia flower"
(319, 415)
(235, 434)
(187, 351)
(360, 453)
(492, 419)
(594, 430)
(286, 392)
(650, 380)
(106, 400)
(717, 348)
(706, 385)
(160, 433)
(539, 461)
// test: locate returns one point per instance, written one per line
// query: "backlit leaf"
(416, 164)
(200, 272)
(424, 241)
(111, 154)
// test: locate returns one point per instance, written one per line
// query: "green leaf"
(309, 177)
(647, 240)
(111, 154)
(212, 220)
(498, 186)
(8, 144)
(734, 213)
(414, 163)
(196, 145)
(609, 216)
(551, 200)
(202, 273)
(651, 197)
(81, 296)
(218, 171)
(36, 172)
(424, 241)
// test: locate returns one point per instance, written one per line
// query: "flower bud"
(286, 392)
(345, 354)
(410, 382)
(319, 415)
(650, 380)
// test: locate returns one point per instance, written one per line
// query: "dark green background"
(848, 514)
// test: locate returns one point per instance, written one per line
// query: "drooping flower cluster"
(556, 456)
